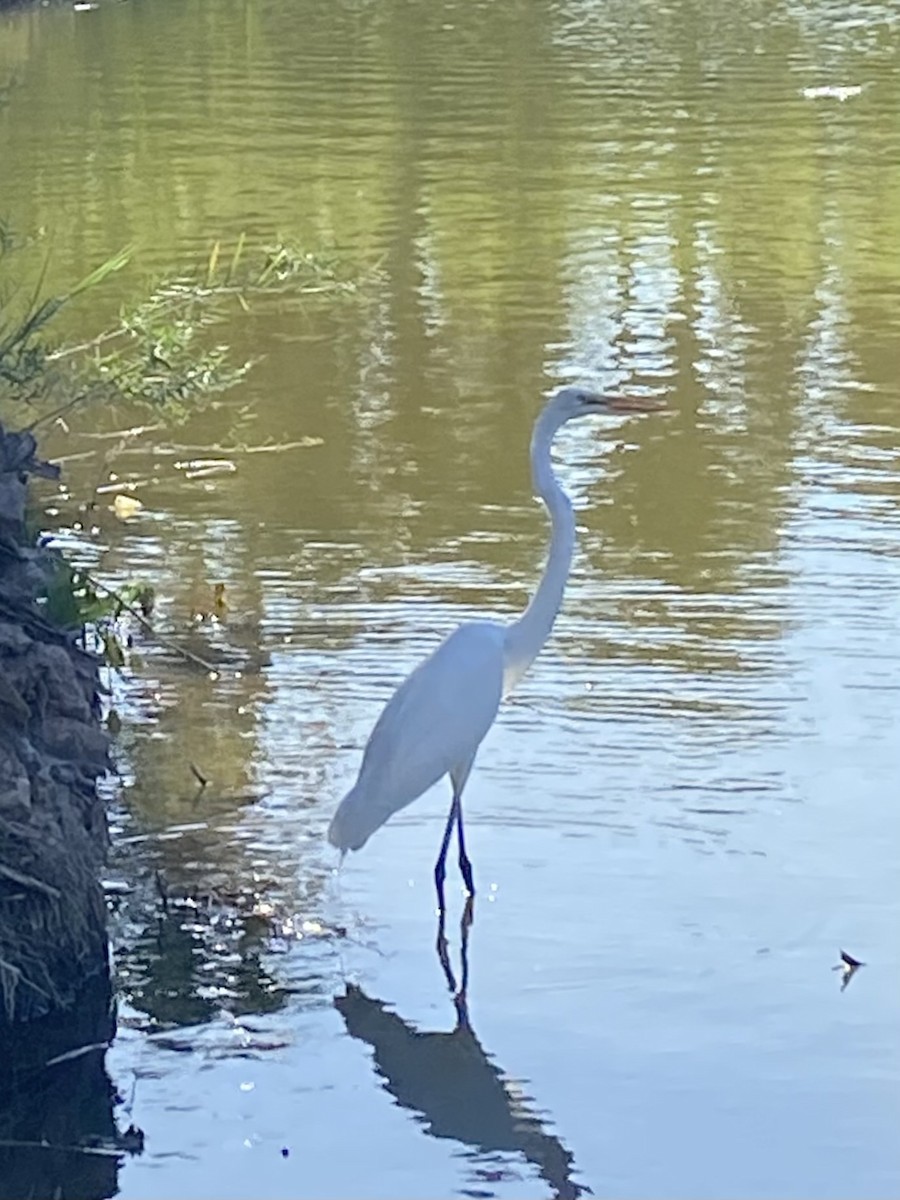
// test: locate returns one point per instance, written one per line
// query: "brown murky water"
(691, 803)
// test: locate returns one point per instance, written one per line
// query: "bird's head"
(572, 402)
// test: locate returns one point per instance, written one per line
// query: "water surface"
(689, 805)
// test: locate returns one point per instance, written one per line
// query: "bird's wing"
(437, 718)
(433, 723)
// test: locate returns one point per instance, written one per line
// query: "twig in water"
(201, 779)
(77, 1053)
(139, 616)
(99, 1151)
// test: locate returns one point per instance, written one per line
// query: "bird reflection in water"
(453, 1088)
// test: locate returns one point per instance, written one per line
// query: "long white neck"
(525, 637)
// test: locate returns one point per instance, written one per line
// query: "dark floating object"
(201, 779)
(849, 961)
(162, 889)
(848, 966)
(132, 1140)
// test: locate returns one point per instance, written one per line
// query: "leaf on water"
(220, 604)
(140, 595)
(126, 506)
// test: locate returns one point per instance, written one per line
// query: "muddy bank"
(53, 834)
(49, 1119)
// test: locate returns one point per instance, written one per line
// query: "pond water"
(690, 805)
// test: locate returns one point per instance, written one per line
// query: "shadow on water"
(58, 1135)
(450, 1084)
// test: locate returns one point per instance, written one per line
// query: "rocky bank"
(53, 833)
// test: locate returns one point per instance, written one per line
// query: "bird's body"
(436, 720)
(432, 726)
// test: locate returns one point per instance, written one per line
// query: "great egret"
(437, 718)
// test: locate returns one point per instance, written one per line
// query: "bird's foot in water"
(441, 946)
(465, 868)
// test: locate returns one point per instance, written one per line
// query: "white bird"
(437, 718)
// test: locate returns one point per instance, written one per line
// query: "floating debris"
(214, 607)
(848, 966)
(162, 889)
(132, 1140)
(201, 778)
(126, 506)
(79, 1052)
(116, 887)
(202, 468)
(830, 92)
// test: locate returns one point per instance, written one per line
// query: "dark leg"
(460, 998)
(464, 926)
(443, 954)
(464, 865)
(440, 867)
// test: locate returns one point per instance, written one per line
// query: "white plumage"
(432, 726)
(434, 723)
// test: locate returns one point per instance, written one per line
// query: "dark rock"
(15, 787)
(67, 738)
(53, 833)
(12, 639)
